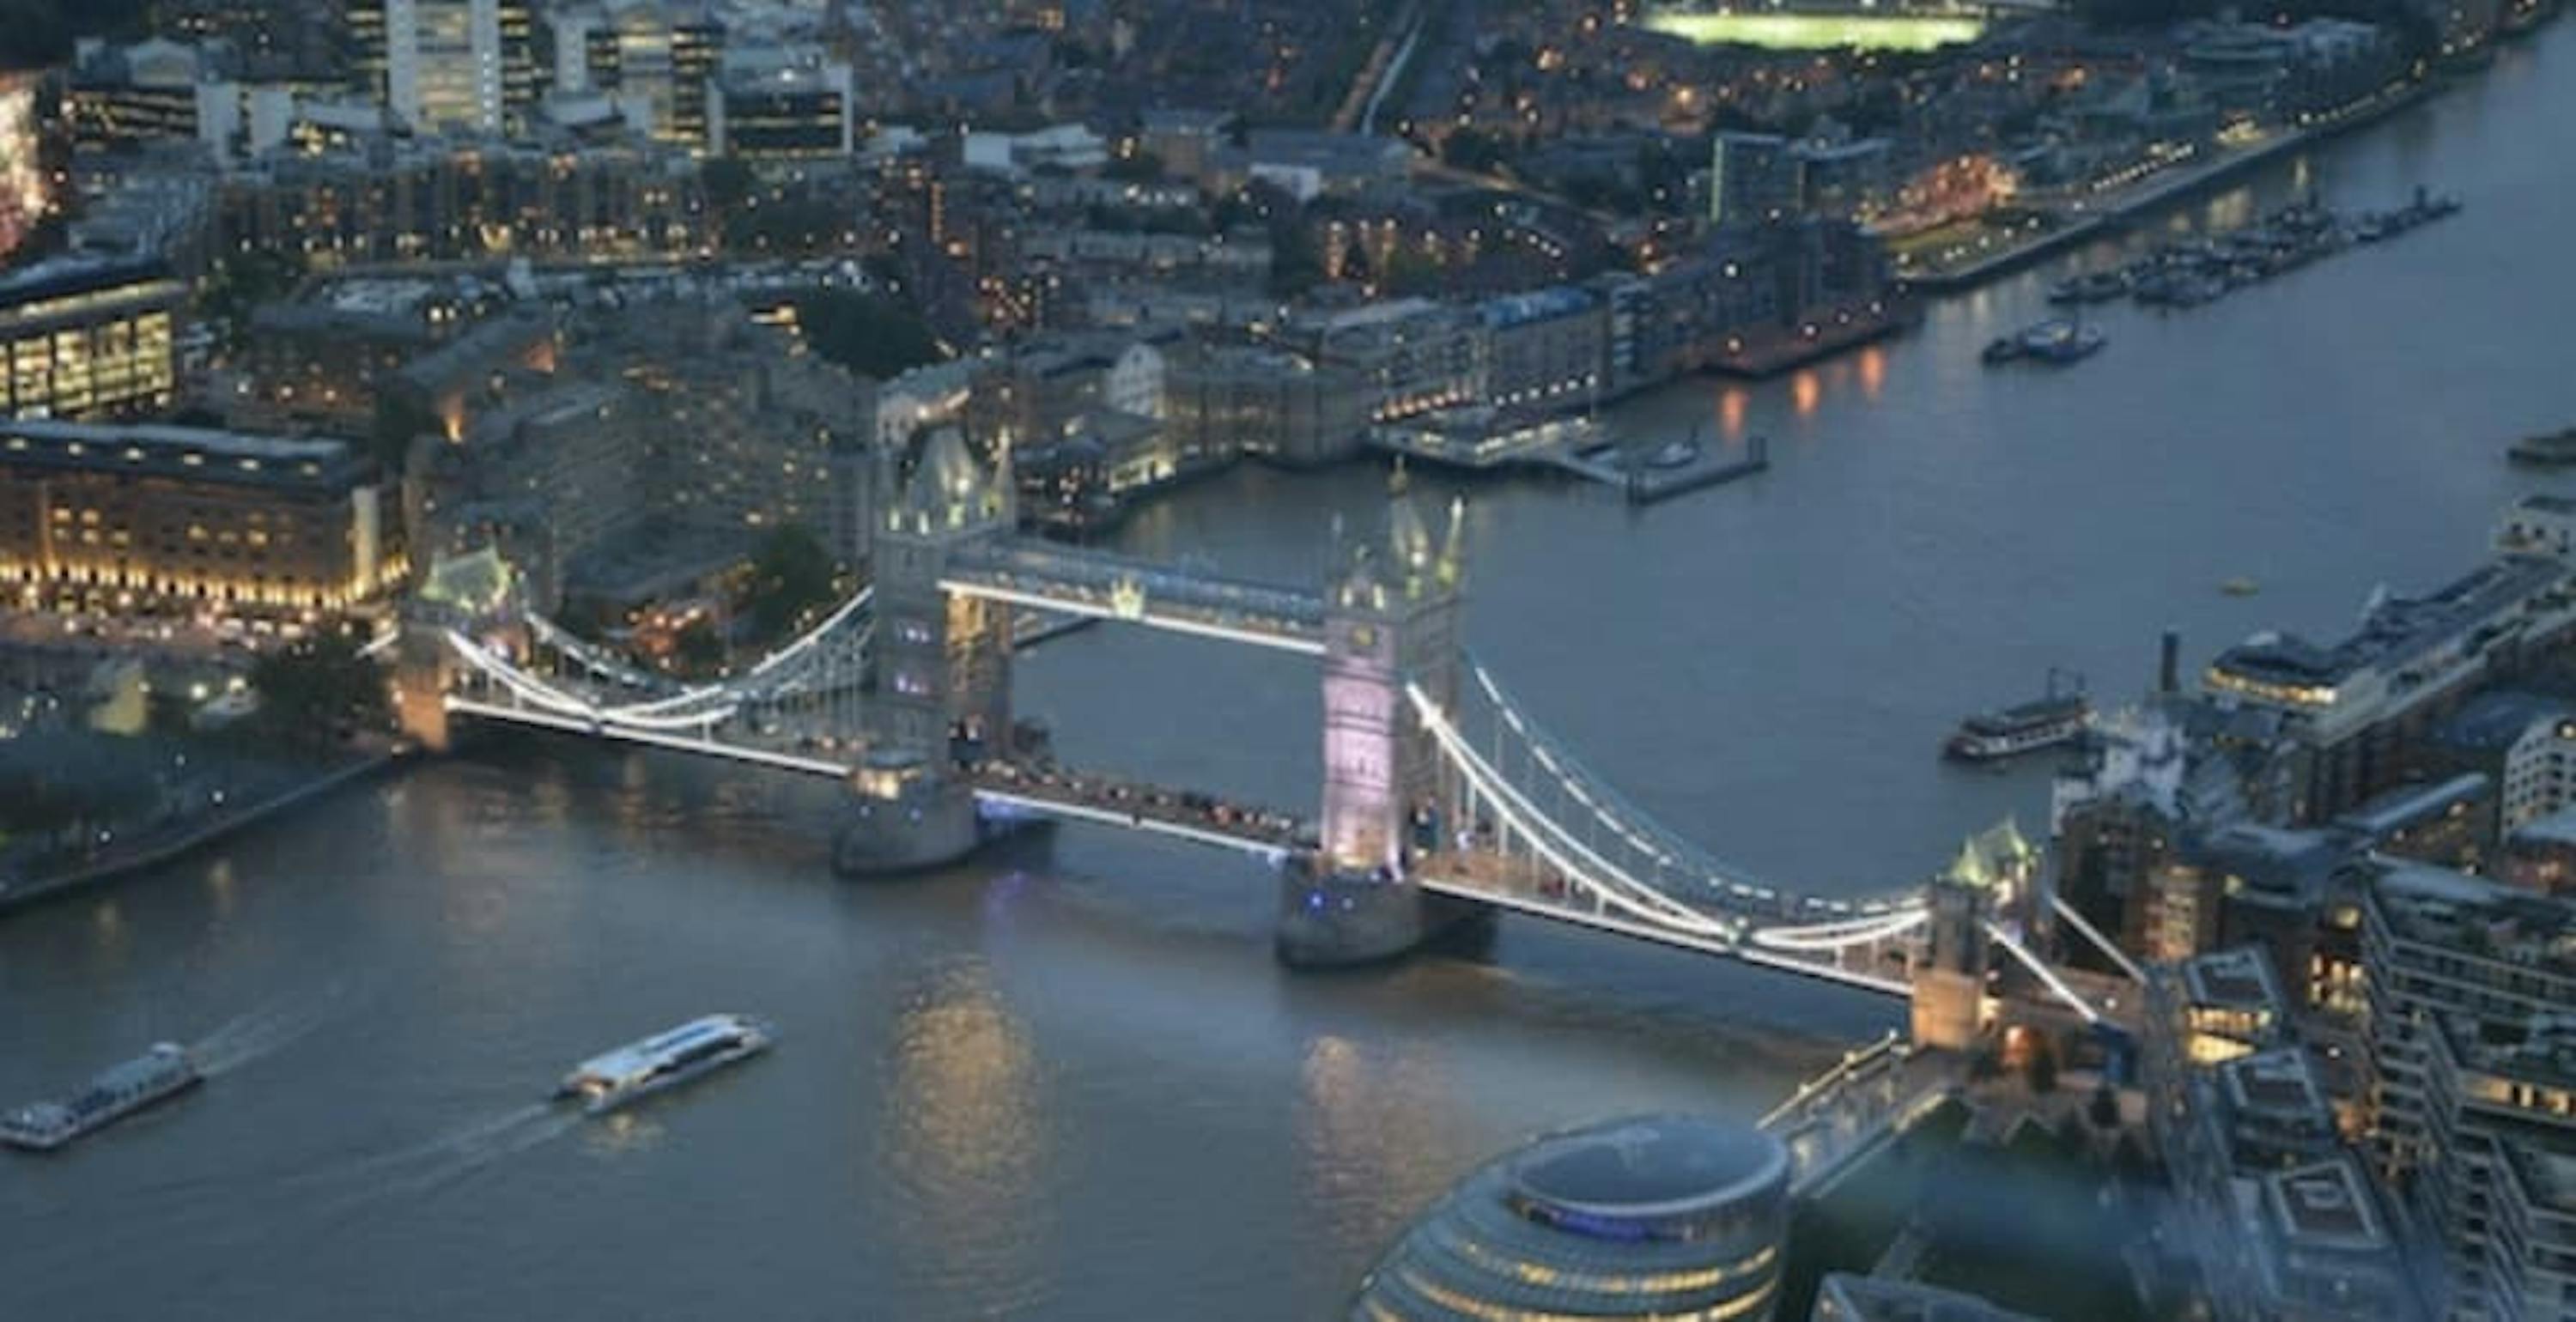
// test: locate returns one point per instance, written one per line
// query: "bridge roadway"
(1048, 790)
(1110, 587)
(1541, 892)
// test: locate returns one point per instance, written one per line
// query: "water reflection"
(1377, 1137)
(1805, 390)
(621, 1132)
(1730, 411)
(964, 1137)
(224, 887)
(1873, 371)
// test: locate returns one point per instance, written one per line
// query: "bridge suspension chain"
(1578, 861)
(1730, 885)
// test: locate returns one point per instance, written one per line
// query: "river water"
(1068, 1081)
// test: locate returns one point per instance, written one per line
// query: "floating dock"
(1571, 447)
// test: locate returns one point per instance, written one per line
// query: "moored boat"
(2061, 342)
(2547, 450)
(2062, 715)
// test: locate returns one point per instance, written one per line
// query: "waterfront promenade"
(2084, 218)
(56, 874)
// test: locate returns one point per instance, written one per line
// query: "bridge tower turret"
(1391, 620)
(943, 684)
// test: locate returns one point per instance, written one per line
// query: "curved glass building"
(1659, 1216)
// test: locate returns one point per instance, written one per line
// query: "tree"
(2040, 1069)
(400, 416)
(790, 575)
(727, 182)
(1141, 167)
(699, 647)
(238, 284)
(316, 691)
(1470, 149)
(870, 334)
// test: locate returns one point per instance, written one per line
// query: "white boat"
(162, 1072)
(606, 1082)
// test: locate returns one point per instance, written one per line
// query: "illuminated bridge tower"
(943, 683)
(1391, 620)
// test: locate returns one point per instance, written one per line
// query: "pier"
(1572, 446)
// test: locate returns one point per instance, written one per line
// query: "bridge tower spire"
(1392, 608)
(943, 684)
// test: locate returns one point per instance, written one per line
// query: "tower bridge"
(1443, 801)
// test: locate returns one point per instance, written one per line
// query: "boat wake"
(264, 1032)
(427, 1167)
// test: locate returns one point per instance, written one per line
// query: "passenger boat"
(2042, 723)
(160, 1073)
(2061, 342)
(606, 1082)
(2002, 350)
(2240, 587)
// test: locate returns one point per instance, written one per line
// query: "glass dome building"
(1659, 1216)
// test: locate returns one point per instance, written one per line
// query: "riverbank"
(155, 847)
(2160, 190)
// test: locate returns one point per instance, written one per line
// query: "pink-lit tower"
(1391, 624)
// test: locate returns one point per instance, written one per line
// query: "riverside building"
(99, 516)
(1662, 1217)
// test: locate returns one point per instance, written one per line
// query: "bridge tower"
(422, 672)
(1950, 984)
(943, 686)
(1391, 619)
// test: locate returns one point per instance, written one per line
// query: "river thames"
(1069, 1081)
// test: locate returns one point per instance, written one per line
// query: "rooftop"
(2327, 1205)
(2436, 906)
(57, 277)
(1657, 1166)
(2495, 720)
(2541, 1049)
(2544, 1167)
(197, 453)
(2238, 978)
(2279, 1082)
(2407, 806)
(2396, 630)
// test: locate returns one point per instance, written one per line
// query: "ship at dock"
(161, 1073)
(2061, 716)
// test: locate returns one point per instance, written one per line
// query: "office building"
(2355, 708)
(1753, 180)
(2500, 1187)
(447, 65)
(781, 106)
(1654, 1217)
(2438, 944)
(654, 60)
(81, 338)
(2283, 1222)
